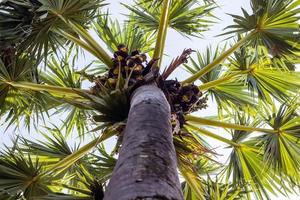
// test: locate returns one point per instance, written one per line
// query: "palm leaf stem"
(209, 122)
(78, 42)
(162, 32)
(61, 91)
(219, 59)
(85, 192)
(212, 135)
(211, 84)
(90, 43)
(193, 182)
(81, 152)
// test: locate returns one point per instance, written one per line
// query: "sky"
(174, 46)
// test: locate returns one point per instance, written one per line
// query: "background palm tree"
(254, 82)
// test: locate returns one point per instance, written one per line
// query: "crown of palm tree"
(254, 82)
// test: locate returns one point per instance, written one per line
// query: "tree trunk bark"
(147, 164)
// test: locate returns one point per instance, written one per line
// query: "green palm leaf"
(273, 24)
(280, 149)
(110, 106)
(52, 149)
(16, 18)
(190, 149)
(228, 93)
(276, 23)
(246, 159)
(245, 167)
(186, 17)
(62, 73)
(265, 78)
(71, 159)
(41, 22)
(133, 36)
(101, 164)
(220, 191)
(19, 175)
(16, 104)
(263, 140)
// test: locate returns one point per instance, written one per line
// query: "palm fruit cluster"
(183, 99)
(127, 66)
(134, 68)
(131, 66)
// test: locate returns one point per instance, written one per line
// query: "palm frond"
(189, 149)
(52, 149)
(187, 17)
(263, 77)
(16, 18)
(276, 23)
(37, 34)
(17, 104)
(112, 106)
(68, 161)
(281, 85)
(215, 63)
(62, 73)
(220, 191)
(228, 94)
(273, 24)
(129, 34)
(246, 160)
(19, 175)
(85, 40)
(101, 164)
(280, 149)
(76, 175)
(193, 181)
(245, 167)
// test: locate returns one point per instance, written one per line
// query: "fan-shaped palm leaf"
(101, 164)
(276, 23)
(263, 77)
(50, 151)
(228, 93)
(63, 74)
(280, 148)
(41, 21)
(112, 106)
(133, 36)
(273, 24)
(20, 103)
(263, 146)
(68, 161)
(187, 17)
(19, 175)
(190, 148)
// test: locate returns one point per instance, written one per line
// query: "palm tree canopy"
(251, 77)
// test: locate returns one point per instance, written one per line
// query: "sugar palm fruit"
(122, 52)
(111, 82)
(138, 69)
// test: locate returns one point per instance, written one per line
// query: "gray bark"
(147, 166)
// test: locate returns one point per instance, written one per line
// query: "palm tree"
(254, 82)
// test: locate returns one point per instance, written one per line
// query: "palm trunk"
(147, 166)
